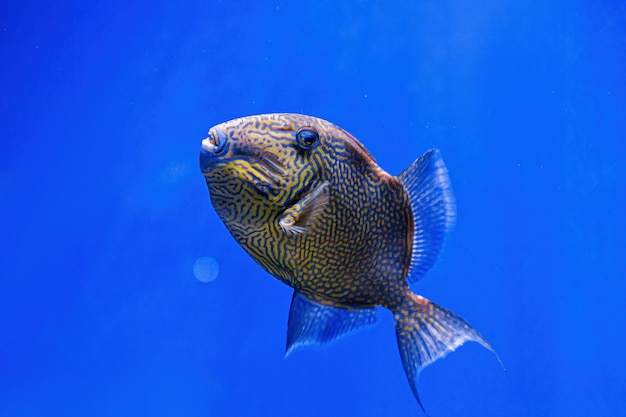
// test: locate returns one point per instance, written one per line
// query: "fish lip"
(208, 145)
(217, 141)
(212, 147)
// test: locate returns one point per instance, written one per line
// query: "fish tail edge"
(426, 332)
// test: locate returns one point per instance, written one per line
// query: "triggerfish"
(308, 202)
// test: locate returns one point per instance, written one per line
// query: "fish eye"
(307, 138)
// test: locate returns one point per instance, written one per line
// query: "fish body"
(308, 202)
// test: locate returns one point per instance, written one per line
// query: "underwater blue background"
(104, 211)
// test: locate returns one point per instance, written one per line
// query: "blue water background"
(104, 211)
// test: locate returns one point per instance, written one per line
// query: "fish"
(307, 201)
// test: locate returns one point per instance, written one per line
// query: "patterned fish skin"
(358, 250)
(308, 202)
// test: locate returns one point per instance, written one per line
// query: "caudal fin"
(427, 332)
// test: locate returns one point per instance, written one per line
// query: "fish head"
(273, 158)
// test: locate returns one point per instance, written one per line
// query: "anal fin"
(317, 321)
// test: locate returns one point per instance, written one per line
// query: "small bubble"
(205, 269)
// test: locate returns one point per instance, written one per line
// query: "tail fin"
(427, 332)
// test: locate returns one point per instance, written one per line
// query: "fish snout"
(212, 147)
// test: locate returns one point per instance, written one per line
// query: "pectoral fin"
(298, 218)
(317, 322)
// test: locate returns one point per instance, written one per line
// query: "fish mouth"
(216, 142)
(208, 145)
(213, 147)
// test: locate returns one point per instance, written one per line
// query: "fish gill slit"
(270, 164)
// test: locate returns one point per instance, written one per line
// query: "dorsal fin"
(434, 210)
